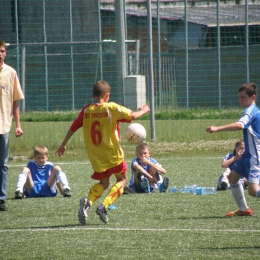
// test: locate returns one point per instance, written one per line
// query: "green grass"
(144, 226)
(162, 114)
(177, 132)
(154, 226)
(172, 137)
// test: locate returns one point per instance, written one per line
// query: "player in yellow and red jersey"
(100, 122)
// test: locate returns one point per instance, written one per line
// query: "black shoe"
(18, 195)
(67, 193)
(2, 206)
(223, 185)
(164, 185)
(84, 206)
(101, 211)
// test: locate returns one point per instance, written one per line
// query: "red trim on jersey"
(121, 168)
(78, 122)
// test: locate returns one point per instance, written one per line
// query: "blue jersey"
(248, 165)
(227, 157)
(40, 174)
(145, 167)
(251, 133)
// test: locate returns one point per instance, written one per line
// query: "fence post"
(120, 44)
(23, 75)
(150, 67)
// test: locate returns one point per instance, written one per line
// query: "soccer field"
(144, 226)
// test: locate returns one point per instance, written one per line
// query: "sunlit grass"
(144, 226)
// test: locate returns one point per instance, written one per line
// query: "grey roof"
(155, 1)
(228, 15)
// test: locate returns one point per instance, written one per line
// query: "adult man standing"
(10, 94)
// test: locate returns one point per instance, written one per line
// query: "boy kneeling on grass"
(41, 177)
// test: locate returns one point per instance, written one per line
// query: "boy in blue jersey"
(248, 165)
(40, 177)
(228, 162)
(147, 172)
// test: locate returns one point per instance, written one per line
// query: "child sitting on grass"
(40, 178)
(147, 172)
(228, 162)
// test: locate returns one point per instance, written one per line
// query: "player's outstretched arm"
(230, 127)
(61, 149)
(143, 110)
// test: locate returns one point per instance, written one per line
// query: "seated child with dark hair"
(228, 162)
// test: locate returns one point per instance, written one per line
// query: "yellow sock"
(115, 192)
(95, 193)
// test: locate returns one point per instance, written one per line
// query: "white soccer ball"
(135, 133)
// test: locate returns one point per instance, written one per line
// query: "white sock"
(62, 179)
(225, 174)
(239, 196)
(22, 177)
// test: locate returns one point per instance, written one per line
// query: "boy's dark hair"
(142, 146)
(249, 88)
(2, 43)
(100, 89)
(238, 143)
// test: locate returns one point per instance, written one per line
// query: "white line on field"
(124, 229)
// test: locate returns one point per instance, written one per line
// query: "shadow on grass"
(198, 218)
(60, 227)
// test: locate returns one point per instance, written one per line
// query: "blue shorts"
(41, 190)
(245, 168)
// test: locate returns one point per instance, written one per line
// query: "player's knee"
(26, 170)
(253, 190)
(105, 183)
(56, 168)
(234, 178)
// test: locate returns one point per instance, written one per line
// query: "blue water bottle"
(203, 190)
(188, 188)
(173, 189)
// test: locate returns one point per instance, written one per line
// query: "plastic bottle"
(203, 190)
(173, 189)
(188, 188)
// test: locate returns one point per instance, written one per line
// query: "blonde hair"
(40, 150)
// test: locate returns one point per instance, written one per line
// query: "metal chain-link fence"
(202, 50)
